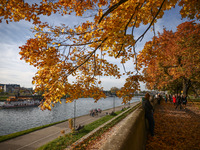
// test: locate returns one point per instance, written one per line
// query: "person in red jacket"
(174, 99)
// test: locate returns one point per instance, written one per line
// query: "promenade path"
(40, 137)
(176, 129)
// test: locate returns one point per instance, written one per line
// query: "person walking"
(165, 98)
(149, 113)
(184, 100)
(159, 98)
(174, 99)
(170, 98)
(179, 101)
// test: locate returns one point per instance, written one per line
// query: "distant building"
(15, 89)
(1, 87)
(10, 88)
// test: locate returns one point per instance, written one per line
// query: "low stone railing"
(131, 135)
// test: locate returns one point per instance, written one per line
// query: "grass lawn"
(68, 139)
(3, 98)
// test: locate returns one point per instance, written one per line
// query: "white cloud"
(12, 69)
(109, 82)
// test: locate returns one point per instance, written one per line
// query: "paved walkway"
(176, 129)
(40, 137)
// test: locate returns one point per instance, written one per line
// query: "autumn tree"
(84, 51)
(172, 58)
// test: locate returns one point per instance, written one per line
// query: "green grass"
(68, 139)
(3, 98)
(87, 141)
(13, 135)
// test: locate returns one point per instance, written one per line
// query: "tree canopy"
(83, 51)
(173, 57)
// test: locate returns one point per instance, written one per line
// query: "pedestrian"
(149, 113)
(170, 98)
(159, 98)
(174, 99)
(179, 101)
(184, 100)
(165, 98)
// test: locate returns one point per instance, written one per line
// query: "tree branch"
(112, 8)
(136, 8)
(126, 27)
(94, 65)
(124, 68)
(134, 25)
(90, 55)
(142, 36)
(81, 44)
(136, 62)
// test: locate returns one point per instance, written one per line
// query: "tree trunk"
(195, 91)
(186, 86)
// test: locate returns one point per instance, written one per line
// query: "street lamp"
(74, 114)
(114, 104)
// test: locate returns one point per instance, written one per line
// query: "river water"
(19, 119)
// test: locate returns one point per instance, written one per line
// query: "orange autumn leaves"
(86, 51)
(171, 56)
(15, 10)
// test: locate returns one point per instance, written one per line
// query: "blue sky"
(12, 35)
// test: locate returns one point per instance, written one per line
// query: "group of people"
(178, 100)
(94, 112)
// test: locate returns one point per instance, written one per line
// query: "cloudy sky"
(12, 35)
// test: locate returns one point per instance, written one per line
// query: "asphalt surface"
(40, 137)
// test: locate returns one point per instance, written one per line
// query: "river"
(19, 119)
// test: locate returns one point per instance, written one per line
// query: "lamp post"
(74, 114)
(114, 104)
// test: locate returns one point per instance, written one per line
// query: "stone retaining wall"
(131, 134)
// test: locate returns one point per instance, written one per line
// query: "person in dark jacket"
(159, 99)
(149, 113)
(179, 101)
(184, 100)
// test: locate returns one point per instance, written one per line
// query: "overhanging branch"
(142, 36)
(112, 8)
